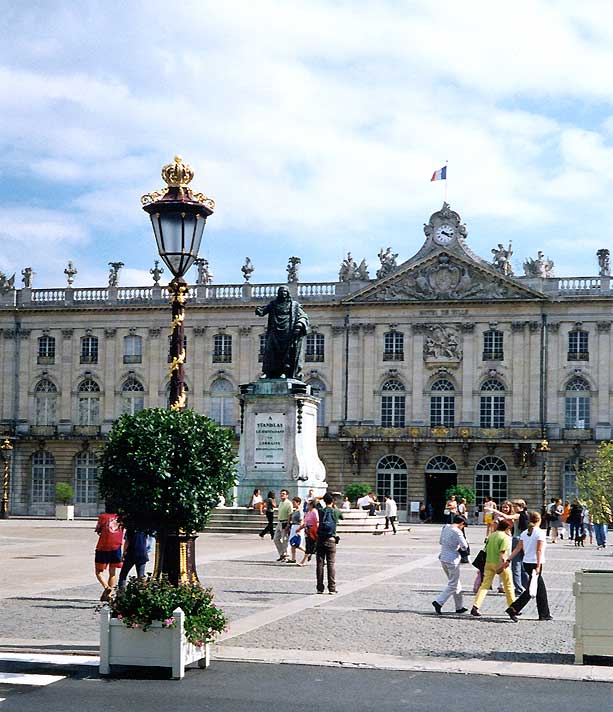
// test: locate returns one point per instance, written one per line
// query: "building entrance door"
(441, 473)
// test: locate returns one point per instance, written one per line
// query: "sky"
(314, 125)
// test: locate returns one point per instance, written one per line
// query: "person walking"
(310, 524)
(588, 525)
(601, 516)
(497, 551)
(281, 537)
(565, 525)
(532, 543)
(451, 509)
(108, 549)
(453, 542)
(489, 507)
(575, 520)
(326, 544)
(296, 538)
(391, 511)
(270, 513)
(135, 553)
(555, 520)
(518, 572)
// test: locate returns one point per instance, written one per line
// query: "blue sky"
(314, 125)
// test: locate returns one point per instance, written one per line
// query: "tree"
(164, 471)
(355, 490)
(595, 483)
(460, 492)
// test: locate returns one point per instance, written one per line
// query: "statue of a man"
(287, 326)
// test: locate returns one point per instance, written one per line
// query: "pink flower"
(119, 617)
(169, 621)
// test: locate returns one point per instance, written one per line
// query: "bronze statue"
(287, 326)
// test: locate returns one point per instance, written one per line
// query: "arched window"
(577, 404)
(319, 390)
(442, 403)
(392, 404)
(132, 349)
(491, 479)
(393, 346)
(569, 475)
(392, 478)
(315, 347)
(89, 349)
(223, 399)
(132, 396)
(89, 402)
(45, 403)
(86, 478)
(46, 349)
(491, 404)
(222, 348)
(441, 463)
(43, 478)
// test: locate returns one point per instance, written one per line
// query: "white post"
(105, 640)
(178, 653)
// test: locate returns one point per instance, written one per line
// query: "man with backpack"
(326, 543)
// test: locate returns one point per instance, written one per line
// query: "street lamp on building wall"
(7, 449)
(544, 449)
(178, 216)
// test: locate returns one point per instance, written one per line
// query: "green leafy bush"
(355, 490)
(460, 492)
(63, 493)
(147, 600)
(165, 469)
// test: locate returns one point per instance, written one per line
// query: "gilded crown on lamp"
(178, 175)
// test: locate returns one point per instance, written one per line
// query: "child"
(296, 540)
(108, 548)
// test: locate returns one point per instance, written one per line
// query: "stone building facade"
(444, 369)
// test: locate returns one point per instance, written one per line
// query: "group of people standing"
(514, 550)
(578, 521)
(307, 526)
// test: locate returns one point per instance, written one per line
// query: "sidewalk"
(383, 608)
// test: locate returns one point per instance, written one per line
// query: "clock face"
(444, 234)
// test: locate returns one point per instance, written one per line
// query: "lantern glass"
(178, 233)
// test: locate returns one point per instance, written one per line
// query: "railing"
(91, 295)
(134, 294)
(48, 296)
(579, 285)
(317, 289)
(221, 291)
(263, 291)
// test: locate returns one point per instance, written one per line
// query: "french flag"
(441, 174)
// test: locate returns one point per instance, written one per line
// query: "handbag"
(534, 581)
(479, 560)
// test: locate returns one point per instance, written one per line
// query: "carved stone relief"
(442, 344)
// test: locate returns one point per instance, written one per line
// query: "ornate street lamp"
(178, 217)
(7, 449)
(545, 450)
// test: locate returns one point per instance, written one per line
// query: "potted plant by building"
(64, 508)
(164, 471)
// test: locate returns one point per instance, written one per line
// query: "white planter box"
(593, 631)
(64, 511)
(155, 647)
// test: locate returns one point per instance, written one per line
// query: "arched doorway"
(441, 473)
(392, 478)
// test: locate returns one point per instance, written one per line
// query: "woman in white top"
(533, 543)
(256, 501)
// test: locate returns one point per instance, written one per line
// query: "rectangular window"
(392, 411)
(89, 349)
(492, 345)
(492, 412)
(46, 350)
(393, 346)
(314, 347)
(132, 349)
(222, 348)
(578, 346)
(442, 411)
(577, 412)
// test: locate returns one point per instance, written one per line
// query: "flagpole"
(446, 179)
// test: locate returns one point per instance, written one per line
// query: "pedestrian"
(391, 511)
(550, 506)
(281, 537)
(270, 513)
(108, 549)
(518, 572)
(422, 513)
(346, 504)
(565, 525)
(463, 508)
(326, 544)
(601, 516)
(453, 542)
(296, 538)
(588, 524)
(555, 521)
(451, 509)
(497, 552)
(532, 543)
(575, 520)
(310, 524)
(257, 501)
(507, 512)
(488, 515)
(367, 502)
(310, 496)
(135, 553)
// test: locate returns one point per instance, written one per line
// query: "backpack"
(327, 524)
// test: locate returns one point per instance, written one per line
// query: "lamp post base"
(175, 558)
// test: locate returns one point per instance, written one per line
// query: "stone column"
(110, 366)
(469, 375)
(554, 417)
(519, 368)
(369, 367)
(418, 410)
(354, 371)
(22, 415)
(337, 373)
(601, 418)
(534, 372)
(69, 360)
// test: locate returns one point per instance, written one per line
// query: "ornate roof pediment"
(447, 277)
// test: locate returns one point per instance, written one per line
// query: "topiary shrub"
(355, 490)
(63, 493)
(165, 469)
(460, 492)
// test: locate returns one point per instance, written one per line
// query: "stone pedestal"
(278, 439)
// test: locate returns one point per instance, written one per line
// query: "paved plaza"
(382, 615)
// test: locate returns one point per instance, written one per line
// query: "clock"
(444, 234)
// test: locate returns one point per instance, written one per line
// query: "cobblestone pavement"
(386, 585)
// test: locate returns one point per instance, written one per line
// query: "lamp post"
(6, 448)
(545, 450)
(178, 216)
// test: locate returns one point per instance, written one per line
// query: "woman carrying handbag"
(533, 543)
